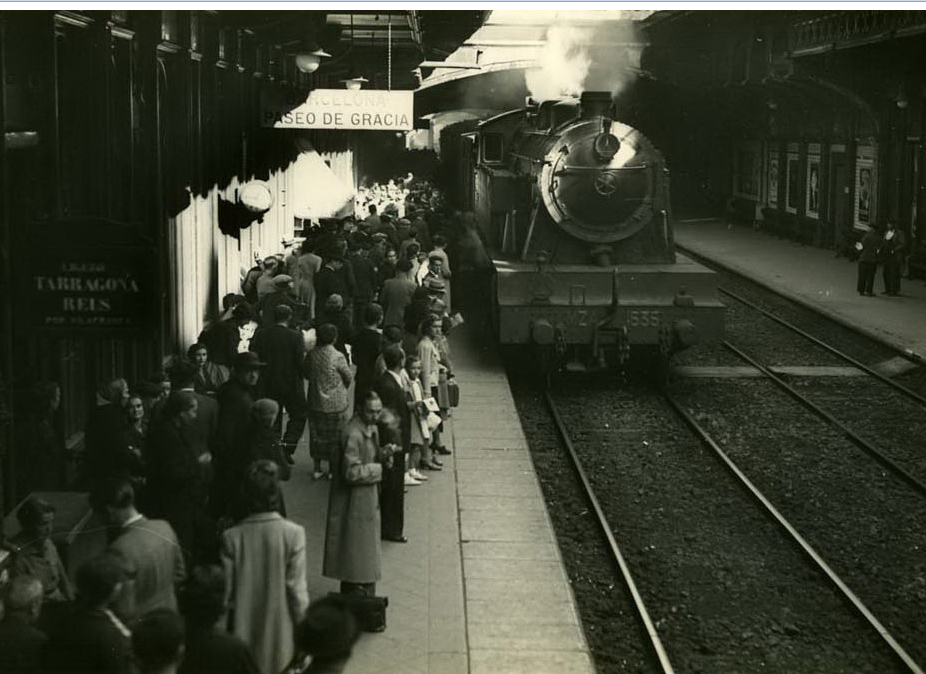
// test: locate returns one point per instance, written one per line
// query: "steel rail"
(643, 614)
(847, 432)
(705, 438)
(833, 350)
(906, 353)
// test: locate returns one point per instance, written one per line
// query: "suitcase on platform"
(370, 612)
(453, 393)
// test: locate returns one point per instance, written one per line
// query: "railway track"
(867, 517)
(692, 536)
(800, 316)
(878, 415)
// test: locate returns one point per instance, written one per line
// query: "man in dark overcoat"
(283, 349)
(893, 249)
(868, 261)
(236, 398)
(390, 387)
(366, 345)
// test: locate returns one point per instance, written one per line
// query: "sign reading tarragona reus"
(102, 289)
(360, 110)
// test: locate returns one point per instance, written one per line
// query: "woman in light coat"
(264, 560)
(352, 534)
(307, 265)
(431, 368)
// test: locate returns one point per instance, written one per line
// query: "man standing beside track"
(868, 261)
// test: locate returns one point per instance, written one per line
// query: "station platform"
(814, 277)
(480, 587)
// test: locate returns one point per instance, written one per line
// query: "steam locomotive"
(574, 208)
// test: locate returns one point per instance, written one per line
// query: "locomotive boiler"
(574, 207)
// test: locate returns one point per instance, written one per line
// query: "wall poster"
(748, 176)
(773, 178)
(794, 182)
(812, 198)
(865, 186)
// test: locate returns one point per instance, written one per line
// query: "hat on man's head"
(378, 236)
(247, 361)
(282, 280)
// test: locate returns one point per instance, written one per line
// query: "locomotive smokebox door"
(600, 187)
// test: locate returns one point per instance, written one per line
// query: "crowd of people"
(347, 333)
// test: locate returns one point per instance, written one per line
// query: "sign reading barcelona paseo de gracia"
(356, 110)
(80, 289)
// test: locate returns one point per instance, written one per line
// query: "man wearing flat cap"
(283, 293)
(236, 398)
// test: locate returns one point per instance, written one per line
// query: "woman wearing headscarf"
(265, 564)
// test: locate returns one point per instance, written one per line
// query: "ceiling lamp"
(308, 61)
(354, 79)
(256, 197)
(355, 83)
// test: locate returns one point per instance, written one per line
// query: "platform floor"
(480, 587)
(816, 277)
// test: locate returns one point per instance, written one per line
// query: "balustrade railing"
(840, 29)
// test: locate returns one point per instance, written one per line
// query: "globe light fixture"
(309, 60)
(256, 197)
(355, 83)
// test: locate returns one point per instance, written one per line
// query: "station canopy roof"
(383, 45)
(511, 39)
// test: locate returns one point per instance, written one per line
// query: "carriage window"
(493, 147)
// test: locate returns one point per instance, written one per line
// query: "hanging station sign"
(345, 109)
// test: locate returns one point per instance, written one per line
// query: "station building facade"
(810, 124)
(129, 138)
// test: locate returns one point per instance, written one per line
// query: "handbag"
(453, 392)
(434, 420)
(370, 612)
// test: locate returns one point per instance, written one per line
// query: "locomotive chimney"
(595, 103)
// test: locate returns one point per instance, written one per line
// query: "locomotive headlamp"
(606, 146)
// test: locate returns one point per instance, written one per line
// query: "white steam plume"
(576, 59)
(564, 63)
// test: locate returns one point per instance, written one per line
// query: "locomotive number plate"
(637, 318)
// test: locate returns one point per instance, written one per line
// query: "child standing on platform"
(420, 443)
